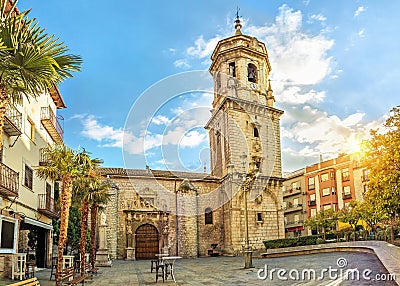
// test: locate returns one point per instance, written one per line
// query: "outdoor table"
(169, 261)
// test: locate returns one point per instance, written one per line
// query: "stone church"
(197, 214)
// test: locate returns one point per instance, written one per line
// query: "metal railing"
(14, 116)
(8, 180)
(46, 113)
(46, 204)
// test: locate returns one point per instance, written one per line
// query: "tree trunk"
(65, 203)
(3, 108)
(93, 227)
(84, 226)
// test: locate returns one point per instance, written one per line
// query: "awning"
(35, 222)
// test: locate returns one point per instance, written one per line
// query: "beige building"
(27, 202)
(295, 203)
(194, 214)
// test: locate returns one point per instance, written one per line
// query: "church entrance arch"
(146, 242)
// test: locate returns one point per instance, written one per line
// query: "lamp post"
(248, 252)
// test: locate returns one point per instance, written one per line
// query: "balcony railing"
(8, 181)
(293, 208)
(294, 223)
(13, 121)
(47, 206)
(346, 196)
(51, 124)
(311, 187)
(312, 203)
(43, 158)
(293, 191)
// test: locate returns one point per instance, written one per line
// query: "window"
(30, 129)
(311, 185)
(295, 202)
(346, 190)
(365, 189)
(8, 237)
(295, 186)
(251, 73)
(218, 81)
(345, 174)
(325, 192)
(313, 212)
(365, 176)
(259, 217)
(208, 216)
(28, 180)
(296, 218)
(327, 207)
(284, 205)
(324, 177)
(312, 198)
(232, 69)
(256, 134)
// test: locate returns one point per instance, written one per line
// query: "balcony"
(346, 196)
(364, 178)
(43, 158)
(13, 121)
(312, 203)
(47, 206)
(293, 208)
(291, 192)
(8, 181)
(311, 187)
(51, 124)
(294, 223)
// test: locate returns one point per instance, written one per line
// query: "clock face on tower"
(253, 85)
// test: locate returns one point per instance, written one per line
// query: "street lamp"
(247, 179)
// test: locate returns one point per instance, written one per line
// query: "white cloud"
(361, 33)
(106, 135)
(294, 95)
(318, 17)
(203, 48)
(182, 63)
(193, 139)
(359, 11)
(160, 120)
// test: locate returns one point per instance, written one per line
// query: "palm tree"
(85, 191)
(65, 165)
(31, 61)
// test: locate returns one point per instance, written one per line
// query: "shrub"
(292, 241)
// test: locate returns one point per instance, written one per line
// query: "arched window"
(251, 73)
(256, 134)
(208, 216)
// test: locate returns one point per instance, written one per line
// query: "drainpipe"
(197, 223)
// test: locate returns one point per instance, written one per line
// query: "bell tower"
(245, 148)
(244, 120)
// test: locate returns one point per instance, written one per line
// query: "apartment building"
(334, 183)
(294, 203)
(27, 202)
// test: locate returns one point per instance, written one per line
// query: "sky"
(144, 92)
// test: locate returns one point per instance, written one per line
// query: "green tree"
(31, 61)
(65, 165)
(323, 221)
(382, 159)
(370, 214)
(351, 215)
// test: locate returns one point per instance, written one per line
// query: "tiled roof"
(156, 173)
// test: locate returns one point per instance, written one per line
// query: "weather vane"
(237, 12)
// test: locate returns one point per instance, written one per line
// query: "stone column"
(130, 247)
(102, 256)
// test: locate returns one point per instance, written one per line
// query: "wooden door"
(146, 242)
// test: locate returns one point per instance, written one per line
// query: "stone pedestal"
(102, 256)
(130, 253)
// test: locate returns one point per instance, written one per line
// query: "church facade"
(197, 214)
